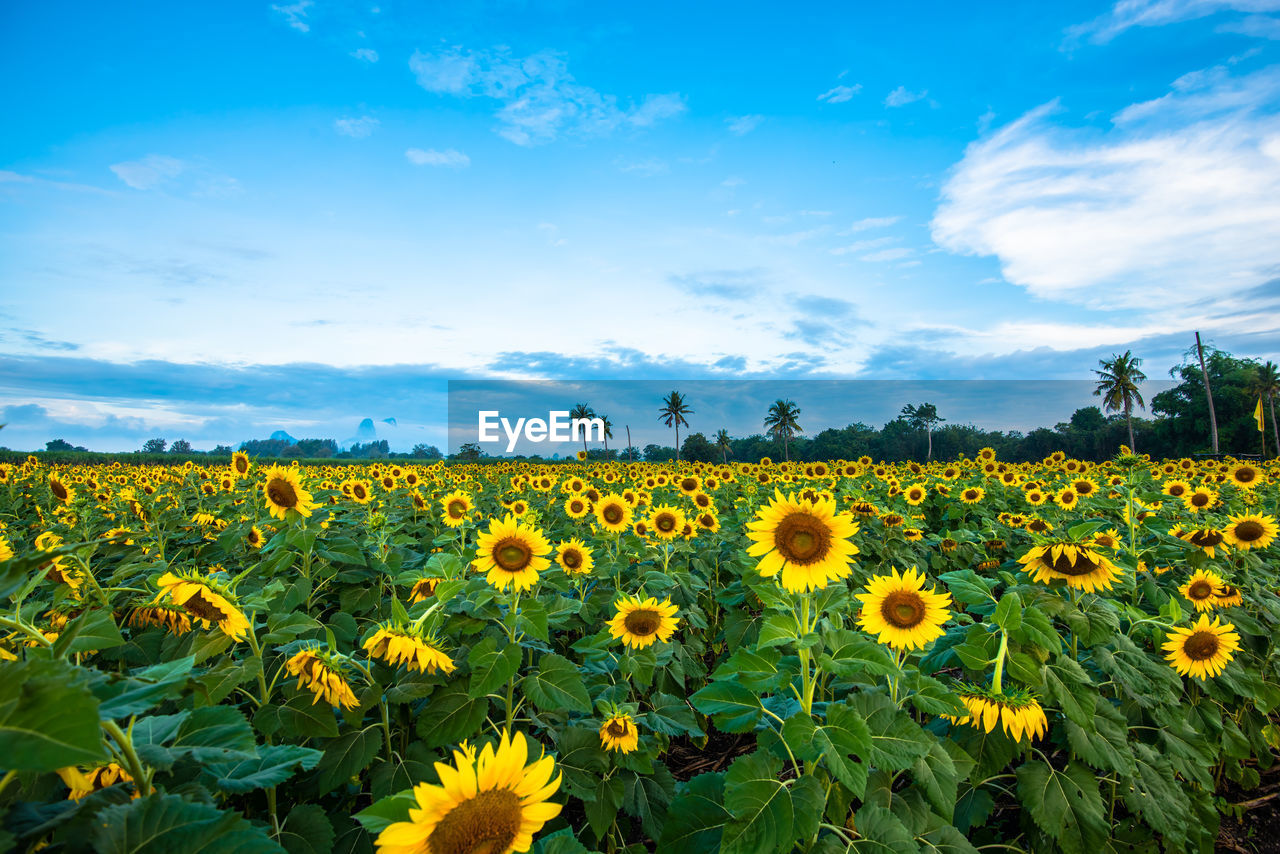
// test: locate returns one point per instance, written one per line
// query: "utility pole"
(1213, 419)
(629, 443)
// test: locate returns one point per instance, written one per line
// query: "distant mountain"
(281, 436)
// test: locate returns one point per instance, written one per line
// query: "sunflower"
(1203, 649)
(1229, 596)
(638, 624)
(513, 553)
(1035, 497)
(807, 541)
(613, 513)
(900, 612)
(199, 599)
(239, 463)
(423, 589)
(1067, 498)
(1251, 531)
(321, 672)
(576, 506)
(915, 494)
(492, 803)
(172, 619)
(708, 521)
(1203, 589)
(60, 490)
(1245, 475)
(82, 783)
(1202, 499)
(254, 538)
(1205, 539)
(1076, 563)
(398, 644)
(1176, 488)
(6, 550)
(972, 494)
(455, 508)
(283, 492)
(666, 522)
(619, 733)
(574, 557)
(1018, 712)
(913, 535)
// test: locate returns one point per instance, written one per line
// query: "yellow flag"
(1257, 414)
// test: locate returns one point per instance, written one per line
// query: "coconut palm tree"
(781, 423)
(1118, 387)
(586, 413)
(608, 432)
(723, 442)
(1266, 383)
(674, 409)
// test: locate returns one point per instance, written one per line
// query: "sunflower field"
(613, 657)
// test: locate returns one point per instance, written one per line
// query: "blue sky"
(220, 220)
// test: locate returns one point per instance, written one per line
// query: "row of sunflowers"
(628, 657)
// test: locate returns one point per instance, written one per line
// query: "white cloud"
(733, 181)
(149, 172)
(863, 245)
(742, 125)
(1178, 201)
(840, 94)
(450, 158)
(872, 222)
(1157, 13)
(295, 14)
(1258, 26)
(901, 96)
(648, 167)
(538, 97)
(883, 255)
(366, 54)
(358, 128)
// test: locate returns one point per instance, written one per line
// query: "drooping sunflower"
(640, 623)
(900, 612)
(575, 557)
(174, 620)
(399, 644)
(1076, 563)
(512, 553)
(423, 589)
(613, 513)
(666, 522)
(199, 598)
(1017, 711)
(492, 803)
(1229, 596)
(321, 673)
(1205, 539)
(619, 733)
(455, 508)
(1203, 589)
(83, 783)
(807, 541)
(283, 492)
(1250, 531)
(1202, 650)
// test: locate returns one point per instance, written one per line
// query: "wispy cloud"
(539, 100)
(648, 166)
(365, 54)
(295, 14)
(1179, 200)
(743, 125)
(902, 96)
(357, 127)
(1157, 13)
(895, 254)
(840, 94)
(734, 285)
(872, 222)
(8, 177)
(149, 172)
(1258, 26)
(863, 245)
(450, 158)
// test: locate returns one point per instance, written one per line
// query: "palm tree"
(923, 417)
(586, 413)
(781, 423)
(608, 432)
(674, 409)
(1266, 383)
(1118, 387)
(723, 443)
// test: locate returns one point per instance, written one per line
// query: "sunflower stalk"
(997, 677)
(141, 776)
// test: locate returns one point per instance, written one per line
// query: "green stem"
(997, 676)
(20, 626)
(141, 779)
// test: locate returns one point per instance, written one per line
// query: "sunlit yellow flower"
(1203, 589)
(492, 803)
(613, 513)
(666, 522)
(1251, 531)
(1080, 566)
(404, 645)
(283, 492)
(619, 733)
(455, 508)
(574, 557)
(512, 553)
(808, 542)
(1019, 713)
(240, 463)
(423, 588)
(318, 672)
(640, 623)
(198, 598)
(900, 612)
(174, 619)
(1202, 650)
